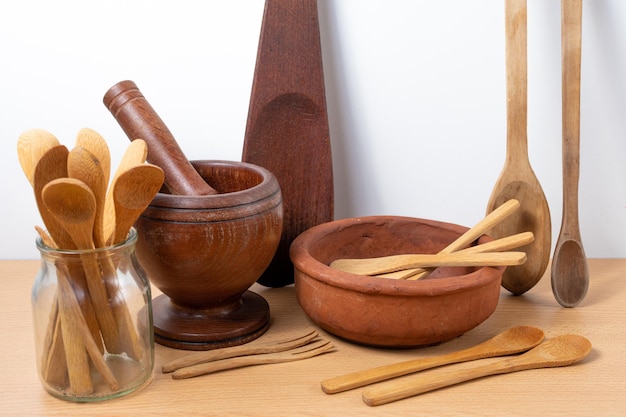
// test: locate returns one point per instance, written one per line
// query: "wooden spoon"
(52, 165)
(133, 191)
(517, 179)
(31, 146)
(570, 273)
(495, 217)
(400, 262)
(73, 204)
(514, 340)
(86, 167)
(135, 154)
(375, 266)
(560, 351)
(287, 129)
(92, 141)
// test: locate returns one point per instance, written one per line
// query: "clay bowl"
(204, 253)
(387, 312)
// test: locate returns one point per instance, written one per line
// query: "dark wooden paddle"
(287, 129)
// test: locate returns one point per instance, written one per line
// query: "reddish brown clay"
(204, 252)
(140, 121)
(287, 128)
(389, 312)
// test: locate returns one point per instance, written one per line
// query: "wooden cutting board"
(287, 128)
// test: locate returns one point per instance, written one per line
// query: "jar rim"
(131, 239)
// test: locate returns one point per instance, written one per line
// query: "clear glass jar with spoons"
(92, 318)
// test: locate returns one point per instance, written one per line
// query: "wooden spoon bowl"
(204, 252)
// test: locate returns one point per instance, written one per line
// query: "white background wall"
(415, 90)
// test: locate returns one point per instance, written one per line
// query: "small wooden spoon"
(135, 154)
(31, 146)
(85, 166)
(92, 141)
(570, 273)
(376, 266)
(492, 219)
(51, 166)
(560, 351)
(517, 179)
(514, 340)
(133, 191)
(400, 261)
(73, 204)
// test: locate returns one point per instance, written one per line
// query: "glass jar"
(92, 317)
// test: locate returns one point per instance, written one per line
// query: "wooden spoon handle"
(516, 81)
(375, 266)
(571, 27)
(139, 120)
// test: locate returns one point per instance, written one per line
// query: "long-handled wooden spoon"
(560, 351)
(400, 262)
(287, 129)
(570, 273)
(85, 166)
(517, 179)
(133, 191)
(31, 146)
(514, 340)
(490, 220)
(73, 204)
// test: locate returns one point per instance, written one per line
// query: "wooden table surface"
(594, 387)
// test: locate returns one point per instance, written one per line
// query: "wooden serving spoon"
(31, 146)
(399, 262)
(570, 273)
(86, 167)
(133, 191)
(560, 351)
(73, 204)
(514, 340)
(517, 179)
(287, 129)
(490, 220)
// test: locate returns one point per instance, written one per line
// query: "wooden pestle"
(139, 121)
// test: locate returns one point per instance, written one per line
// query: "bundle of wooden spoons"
(82, 212)
(458, 253)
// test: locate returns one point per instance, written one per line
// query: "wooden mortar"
(204, 252)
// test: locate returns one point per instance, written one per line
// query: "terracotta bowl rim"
(314, 269)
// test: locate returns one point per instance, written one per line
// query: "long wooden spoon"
(399, 263)
(517, 179)
(85, 166)
(31, 146)
(133, 191)
(287, 129)
(560, 351)
(514, 340)
(570, 273)
(73, 204)
(490, 220)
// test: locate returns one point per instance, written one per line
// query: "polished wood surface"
(594, 387)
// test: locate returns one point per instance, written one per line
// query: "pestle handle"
(139, 120)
